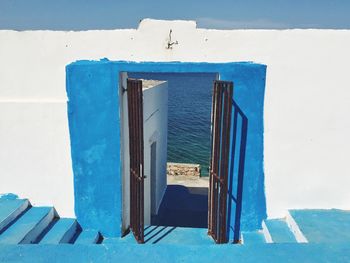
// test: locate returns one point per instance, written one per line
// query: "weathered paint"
(94, 121)
(93, 111)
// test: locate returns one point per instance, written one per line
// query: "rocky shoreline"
(183, 169)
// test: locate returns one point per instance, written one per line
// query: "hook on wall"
(171, 43)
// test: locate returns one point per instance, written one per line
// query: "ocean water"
(190, 98)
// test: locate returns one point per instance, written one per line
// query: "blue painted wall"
(94, 123)
(93, 113)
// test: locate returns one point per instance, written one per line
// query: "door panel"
(135, 116)
(219, 163)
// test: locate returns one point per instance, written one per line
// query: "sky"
(217, 14)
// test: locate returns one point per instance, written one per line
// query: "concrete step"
(10, 209)
(322, 226)
(253, 238)
(88, 237)
(62, 231)
(278, 231)
(28, 228)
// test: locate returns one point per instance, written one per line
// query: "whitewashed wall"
(307, 104)
(155, 111)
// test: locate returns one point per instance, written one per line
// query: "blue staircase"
(63, 231)
(21, 223)
(302, 236)
(317, 226)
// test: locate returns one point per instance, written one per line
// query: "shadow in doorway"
(183, 207)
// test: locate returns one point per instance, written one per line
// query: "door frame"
(249, 93)
(219, 160)
(136, 156)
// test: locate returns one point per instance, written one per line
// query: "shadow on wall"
(239, 131)
(183, 207)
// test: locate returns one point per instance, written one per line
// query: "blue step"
(10, 210)
(88, 236)
(252, 238)
(62, 232)
(318, 225)
(29, 226)
(279, 231)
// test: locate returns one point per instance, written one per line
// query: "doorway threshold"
(168, 235)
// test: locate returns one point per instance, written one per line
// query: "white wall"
(155, 116)
(34, 152)
(307, 104)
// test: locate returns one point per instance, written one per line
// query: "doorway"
(219, 168)
(185, 200)
(96, 102)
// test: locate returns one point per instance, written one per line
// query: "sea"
(189, 111)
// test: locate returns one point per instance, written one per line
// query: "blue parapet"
(94, 123)
(63, 231)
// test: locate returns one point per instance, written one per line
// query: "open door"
(135, 117)
(219, 162)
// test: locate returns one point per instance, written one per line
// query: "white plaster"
(307, 104)
(35, 160)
